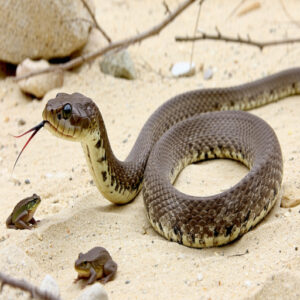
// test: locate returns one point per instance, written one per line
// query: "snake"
(194, 126)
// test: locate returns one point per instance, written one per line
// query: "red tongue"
(35, 130)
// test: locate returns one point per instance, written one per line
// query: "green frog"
(95, 264)
(22, 215)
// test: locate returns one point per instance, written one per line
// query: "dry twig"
(165, 4)
(114, 45)
(95, 21)
(34, 291)
(239, 254)
(195, 30)
(236, 8)
(238, 39)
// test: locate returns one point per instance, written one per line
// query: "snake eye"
(67, 110)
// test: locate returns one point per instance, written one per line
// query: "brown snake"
(176, 135)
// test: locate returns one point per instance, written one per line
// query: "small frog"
(22, 215)
(95, 264)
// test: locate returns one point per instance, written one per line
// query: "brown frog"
(22, 215)
(95, 264)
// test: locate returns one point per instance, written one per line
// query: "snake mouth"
(55, 131)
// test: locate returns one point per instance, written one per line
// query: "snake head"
(70, 116)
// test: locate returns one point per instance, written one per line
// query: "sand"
(74, 215)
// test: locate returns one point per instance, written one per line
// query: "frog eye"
(67, 111)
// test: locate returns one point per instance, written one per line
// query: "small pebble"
(247, 283)
(50, 285)
(21, 122)
(27, 181)
(183, 69)
(200, 276)
(127, 281)
(94, 292)
(208, 73)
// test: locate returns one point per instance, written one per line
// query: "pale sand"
(75, 217)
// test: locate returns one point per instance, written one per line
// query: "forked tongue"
(35, 129)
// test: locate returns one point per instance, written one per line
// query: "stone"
(200, 276)
(42, 29)
(38, 85)
(94, 292)
(183, 69)
(208, 73)
(118, 64)
(49, 285)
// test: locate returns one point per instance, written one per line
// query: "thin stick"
(236, 8)
(34, 291)
(165, 4)
(248, 41)
(76, 62)
(195, 30)
(95, 21)
(239, 254)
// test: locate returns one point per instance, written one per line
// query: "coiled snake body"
(190, 127)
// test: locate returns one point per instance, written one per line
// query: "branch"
(236, 8)
(238, 39)
(95, 21)
(34, 291)
(123, 43)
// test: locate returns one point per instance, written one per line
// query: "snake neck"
(118, 181)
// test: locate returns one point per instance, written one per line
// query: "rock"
(208, 73)
(38, 85)
(94, 292)
(49, 285)
(118, 65)
(42, 29)
(200, 276)
(21, 122)
(183, 69)
(247, 283)
(290, 197)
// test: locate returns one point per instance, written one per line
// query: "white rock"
(247, 283)
(42, 29)
(38, 85)
(183, 68)
(49, 285)
(208, 73)
(94, 292)
(200, 276)
(118, 65)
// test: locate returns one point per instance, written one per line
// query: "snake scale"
(193, 126)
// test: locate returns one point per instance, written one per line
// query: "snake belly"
(193, 126)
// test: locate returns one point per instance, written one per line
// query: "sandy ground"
(75, 217)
